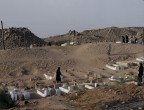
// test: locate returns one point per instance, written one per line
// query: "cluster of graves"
(58, 90)
(64, 88)
(125, 64)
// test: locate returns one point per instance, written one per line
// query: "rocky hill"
(98, 35)
(19, 37)
(23, 37)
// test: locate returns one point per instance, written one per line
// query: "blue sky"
(52, 17)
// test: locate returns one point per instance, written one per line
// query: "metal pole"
(2, 35)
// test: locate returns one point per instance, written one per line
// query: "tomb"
(140, 59)
(48, 77)
(118, 42)
(26, 95)
(114, 78)
(67, 89)
(121, 78)
(81, 86)
(89, 86)
(44, 92)
(13, 95)
(112, 67)
(65, 44)
(115, 67)
(58, 92)
(127, 64)
(16, 93)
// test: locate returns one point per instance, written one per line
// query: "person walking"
(140, 72)
(58, 75)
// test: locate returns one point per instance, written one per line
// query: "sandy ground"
(25, 68)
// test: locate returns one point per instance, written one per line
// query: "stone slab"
(89, 87)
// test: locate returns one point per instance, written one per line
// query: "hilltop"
(96, 35)
(19, 37)
(23, 37)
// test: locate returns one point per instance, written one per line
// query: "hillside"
(25, 68)
(19, 37)
(81, 58)
(97, 35)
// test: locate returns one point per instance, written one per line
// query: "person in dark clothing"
(140, 72)
(58, 75)
(126, 39)
(122, 39)
(109, 49)
(135, 40)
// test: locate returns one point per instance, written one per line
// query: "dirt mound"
(108, 97)
(19, 37)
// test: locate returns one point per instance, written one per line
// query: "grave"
(112, 67)
(115, 67)
(121, 78)
(44, 92)
(48, 77)
(67, 89)
(58, 92)
(132, 82)
(26, 95)
(90, 85)
(16, 93)
(64, 44)
(81, 86)
(140, 59)
(118, 42)
(127, 64)
(114, 78)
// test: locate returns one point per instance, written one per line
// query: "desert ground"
(25, 68)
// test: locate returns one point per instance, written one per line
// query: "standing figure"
(126, 39)
(140, 72)
(58, 75)
(122, 39)
(109, 49)
(135, 40)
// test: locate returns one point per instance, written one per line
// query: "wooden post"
(143, 43)
(2, 35)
